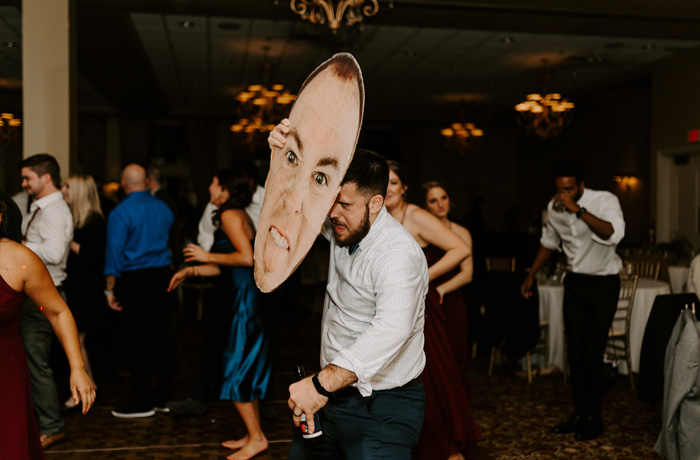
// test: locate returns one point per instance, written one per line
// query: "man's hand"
(278, 136)
(304, 399)
(112, 302)
(526, 288)
(568, 200)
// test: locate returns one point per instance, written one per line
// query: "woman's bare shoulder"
(461, 231)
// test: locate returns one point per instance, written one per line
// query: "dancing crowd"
(394, 350)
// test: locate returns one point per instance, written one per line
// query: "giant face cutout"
(305, 174)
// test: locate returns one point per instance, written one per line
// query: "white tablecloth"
(679, 276)
(551, 306)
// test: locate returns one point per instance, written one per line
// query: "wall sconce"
(626, 182)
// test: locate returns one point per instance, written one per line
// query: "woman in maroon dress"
(437, 203)
(448, 428)
(22, 272)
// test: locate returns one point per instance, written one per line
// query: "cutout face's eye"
(320, 178)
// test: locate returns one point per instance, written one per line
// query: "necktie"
(26, 230)
(353, 248)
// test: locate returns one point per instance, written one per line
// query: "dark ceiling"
(420, 59)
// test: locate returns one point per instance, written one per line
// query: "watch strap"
(580, 211)
(319, 387)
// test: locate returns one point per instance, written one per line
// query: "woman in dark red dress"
(449, 429)
(22, 272)
(437, 203)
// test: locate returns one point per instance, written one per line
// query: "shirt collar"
(41, 203)
(375, 228)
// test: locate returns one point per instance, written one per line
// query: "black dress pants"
(590, 303)
(148, 312)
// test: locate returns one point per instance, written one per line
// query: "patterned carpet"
(515, 418)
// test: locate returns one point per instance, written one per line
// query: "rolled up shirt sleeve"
(611, 211)
(400, 289)
(550, 238)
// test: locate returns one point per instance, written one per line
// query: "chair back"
(500, 264)
(628, 288)
(645, 268)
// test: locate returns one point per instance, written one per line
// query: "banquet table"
(679, 277)
(552, 303)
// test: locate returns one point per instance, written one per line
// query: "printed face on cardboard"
(305, 174)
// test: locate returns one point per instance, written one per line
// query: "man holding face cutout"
(368, 392)
(305, 174)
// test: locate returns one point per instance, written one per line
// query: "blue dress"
(246, 361)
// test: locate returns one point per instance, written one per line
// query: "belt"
(353, 391)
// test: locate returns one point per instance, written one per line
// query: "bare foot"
(236, 443)
(250, 450)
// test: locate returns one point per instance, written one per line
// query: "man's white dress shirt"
(50, 233)
(374, 310)
(586, 252)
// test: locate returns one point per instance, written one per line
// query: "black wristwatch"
(319, 388)
(580, 211)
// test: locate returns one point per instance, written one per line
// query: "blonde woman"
(85, 266)
(449, 431)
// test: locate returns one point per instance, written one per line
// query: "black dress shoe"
(569, 426)
(590, 428)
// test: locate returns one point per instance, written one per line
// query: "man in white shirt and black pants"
(47, 230)
(368, 392)
(588, 225)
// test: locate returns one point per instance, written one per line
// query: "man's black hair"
(369, 172)
(570, 168)
(43, 163)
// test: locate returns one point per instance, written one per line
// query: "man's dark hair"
(43, 163)
(570, 169)
(369, 172)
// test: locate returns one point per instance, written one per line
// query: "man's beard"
(354, 236)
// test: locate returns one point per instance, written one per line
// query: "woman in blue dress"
(246, 363)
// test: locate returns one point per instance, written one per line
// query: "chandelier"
(545, 116)
(261, 106)
(462, 137)
(322, 11)
(9, 127)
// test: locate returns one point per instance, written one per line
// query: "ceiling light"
(544, 116)
(322, 11)
(186, 24)
(507, 40)
(10, 44)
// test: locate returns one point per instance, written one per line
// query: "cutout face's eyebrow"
(293, 132)
(328, 161)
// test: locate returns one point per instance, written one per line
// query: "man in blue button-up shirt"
(137, 271)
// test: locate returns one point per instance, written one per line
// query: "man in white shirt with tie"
(47, 230)
(368, 392)
(588, 225)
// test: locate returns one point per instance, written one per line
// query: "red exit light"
(694, 135)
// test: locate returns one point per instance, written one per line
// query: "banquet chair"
(496, 264)
(645, 268)
(619, 335)
(541, 348)
(500, 264)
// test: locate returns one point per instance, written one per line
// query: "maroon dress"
(19, 435)
(448, 427)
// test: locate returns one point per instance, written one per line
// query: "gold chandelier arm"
(371, 10)
(300, 9)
